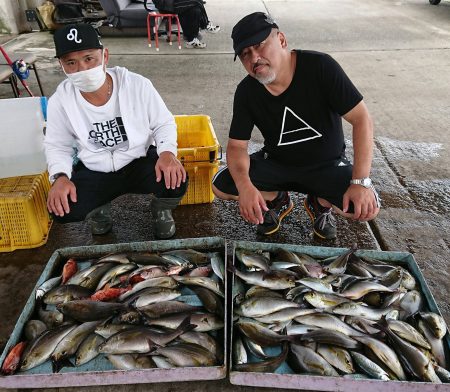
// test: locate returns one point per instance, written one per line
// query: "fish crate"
(197, 141)
(25, 221)
(285, 377)
(100, 371)
(199, 189)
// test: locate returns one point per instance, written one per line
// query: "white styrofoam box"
(22, 134)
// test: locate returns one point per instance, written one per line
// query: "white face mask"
(89, 80)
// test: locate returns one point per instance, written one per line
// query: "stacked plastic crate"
(199, 152)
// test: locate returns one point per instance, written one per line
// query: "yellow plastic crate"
(24, 219)
(199, 188)
(197, 141)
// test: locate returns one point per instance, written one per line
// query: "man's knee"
(221, 195)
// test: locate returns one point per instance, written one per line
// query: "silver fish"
(318, 285)
(384, 353)
(299, 329)
(149, 296)
(114, 272)
(65, 293)
(253, 260)
(163, 281)
(189, 255)
(254, 348)
(187, 354)
(369, 367)
(239, 352)
(323, 301)
(362, 324)
(51, 318)
(275, 280)
(361, 288)
(392, 279)
(107, 330)
(162, 363)
(436, 323)
(130, 362)
(261, 306)
(207, 283)
(331, 337)
(89, 277)
(87, 310)
(258, 291)
(284, 315)
(218, 265)
(260, 334)
(339, 265)
(166, 307)
(311, 362)
(411, 303)
(328, 321)
(337, 357)
(204, 321)
(39, 351)
(88, 349)
(47, 286)
(356, 309)
(268, 365)
(437, 345)
(442, 373)
(408, 281)
(408, 332)
(204, 340)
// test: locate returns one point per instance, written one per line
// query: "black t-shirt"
(301, 126)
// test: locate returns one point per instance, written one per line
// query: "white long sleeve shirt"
(144, 115)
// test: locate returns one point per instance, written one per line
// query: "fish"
(268, 365)
(130, 362)
(275, 280)
(329, 322)
(141, 340)
(188, 255)
(204, 321)
(149, 258)
(106, 330)
(40, 350)
(309, 361)
(258, 291)
(187, 354)
(33, 328)
(284, 315)
(369, 367)
(238, 290)
(88, 310)
(339, 265)
(70, 268)
(153, 295)
(356, 309)
(88, 349)
(408, 332)
(47, 286)
(204, 340)
(261, 306)
(337, 357)
(65, 293)
(253, 260)
(204, 271)
(260, 334)
(90, 277)
(384, 353)
(362, 324)
(361, 288)
(12, 360)
(114, 272)
(108, 293)
(162, 363)
(437, 345)
(69, 344)
(298, 329)
(443, 374)
(163, 281)
(51, 318)
(253, 348)
(319, 285)
(412, 358)
(411, 303)
(331, 337)
(323, 301)
(166, 307)
(239, 351)
(210, 300)
(435, 323)
(114, 257)
(205, 282)
(392, 279)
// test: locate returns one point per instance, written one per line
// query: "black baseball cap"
(75, 37)
(251, 30)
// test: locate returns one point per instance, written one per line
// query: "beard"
(266, 79)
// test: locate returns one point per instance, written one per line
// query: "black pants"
(97, 188)
(193, 17)
(328, 180)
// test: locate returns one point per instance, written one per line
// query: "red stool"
(156, 16)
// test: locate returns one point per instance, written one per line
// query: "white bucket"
(21, 137)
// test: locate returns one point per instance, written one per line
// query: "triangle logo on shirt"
(295, 130)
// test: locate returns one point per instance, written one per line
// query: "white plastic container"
(22, 133)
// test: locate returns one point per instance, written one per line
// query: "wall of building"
(12, 15)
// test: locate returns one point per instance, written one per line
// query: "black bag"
(67, 12)
(163, 6)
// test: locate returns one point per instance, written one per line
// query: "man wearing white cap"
(124, 136)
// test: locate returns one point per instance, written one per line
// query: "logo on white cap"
(73, 36)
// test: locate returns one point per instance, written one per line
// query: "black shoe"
(324, 223)
(278, 209)
(100, 220)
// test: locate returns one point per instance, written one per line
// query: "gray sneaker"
(100, 220)
(324, 223)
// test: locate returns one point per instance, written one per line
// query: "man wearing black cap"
(296, 99)
(124, 136)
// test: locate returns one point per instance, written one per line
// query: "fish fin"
(57, 365)
(186, 326)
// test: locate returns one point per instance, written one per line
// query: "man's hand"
(58, 196)
(252, 204)
(173, 171)
(364, 202)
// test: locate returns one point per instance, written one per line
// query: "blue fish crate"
(99, 371)
(284, 377)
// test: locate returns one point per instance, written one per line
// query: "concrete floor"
(398, 55)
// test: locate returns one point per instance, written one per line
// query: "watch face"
(366, 182)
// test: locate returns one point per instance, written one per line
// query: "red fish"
(69, 269)
(12, 360)
(200, 271)
(108, 293)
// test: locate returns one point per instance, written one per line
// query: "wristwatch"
(366, 182)
(56, 176)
